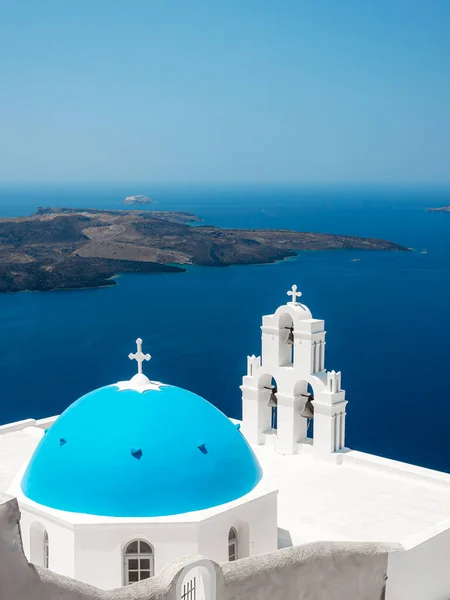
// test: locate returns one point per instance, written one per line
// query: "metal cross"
(139, 357)
(294, 294)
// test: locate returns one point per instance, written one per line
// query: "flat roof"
(366, 498)
(16, 448)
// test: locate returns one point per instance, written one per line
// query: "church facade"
(136, 474)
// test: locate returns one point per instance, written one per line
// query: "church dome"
(140, 449)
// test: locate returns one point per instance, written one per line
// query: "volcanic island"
(69, 248)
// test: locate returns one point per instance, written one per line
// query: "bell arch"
(285, 340)
(304, 400)
(268, 387)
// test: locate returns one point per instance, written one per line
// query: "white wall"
(99, 548)
(422, 573)
(60, 540)
(256, 526)
(329, 571)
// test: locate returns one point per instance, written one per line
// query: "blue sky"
(346, 91)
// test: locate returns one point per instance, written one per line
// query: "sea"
(387, 315)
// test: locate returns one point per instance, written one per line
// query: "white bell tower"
(275, 389)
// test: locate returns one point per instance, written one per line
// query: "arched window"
(232, 545)
(139, 561)
(39, 547)
(46, 553)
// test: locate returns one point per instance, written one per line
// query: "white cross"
(139, 357)
(294, 294)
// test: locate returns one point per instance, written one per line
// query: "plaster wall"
(325, 571)
(99, 558)
(61, 542)
(255, 523)
(422, 572)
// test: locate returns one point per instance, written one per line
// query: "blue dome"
(132, 454)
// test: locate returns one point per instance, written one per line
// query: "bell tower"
(277, 407)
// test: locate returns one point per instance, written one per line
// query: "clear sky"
(232, 91)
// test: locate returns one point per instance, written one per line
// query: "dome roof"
(130, 451)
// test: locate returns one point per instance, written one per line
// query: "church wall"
(60, 539)
(255, 523)
(99, 550)
(422, 572)
(329, 571)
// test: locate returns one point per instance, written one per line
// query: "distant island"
(440, 209)
(137, 200)
(68, 248)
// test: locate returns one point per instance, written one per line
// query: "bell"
(272, 400)
(308, 411)
(290, 339)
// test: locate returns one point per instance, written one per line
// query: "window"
(39, 547)
(139, 561)
(46, 555)
(232, 545)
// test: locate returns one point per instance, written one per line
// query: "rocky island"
(137, 200)
(440, 209)
(67, 248)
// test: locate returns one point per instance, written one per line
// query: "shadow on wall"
(325, 570)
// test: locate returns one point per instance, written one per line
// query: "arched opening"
(304, 394)
(286, 341)
(139, 561)
(232, 545)
(39, 546)
(197, 582)
(46, 550)
(269, 385)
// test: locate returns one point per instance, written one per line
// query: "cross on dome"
(139, 356)
(294, 293)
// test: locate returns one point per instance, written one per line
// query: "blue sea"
(387, 316)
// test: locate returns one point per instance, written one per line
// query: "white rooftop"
(366, 498)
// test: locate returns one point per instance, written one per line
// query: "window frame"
(138, 556)
(233, 545)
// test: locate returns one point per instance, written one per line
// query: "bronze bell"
(308, 411)
(273, 401)
(290, 339)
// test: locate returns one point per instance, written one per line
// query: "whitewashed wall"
(256, 526)
(60, 537)
(99, 553)
(325, 571)
(94, 554)
(422, 573)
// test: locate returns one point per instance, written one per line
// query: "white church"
(136, 474)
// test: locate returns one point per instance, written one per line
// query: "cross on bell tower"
(139, 356)
(294, 293)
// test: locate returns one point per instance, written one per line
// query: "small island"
(137, 200)
(68, 248)
(440, 209)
